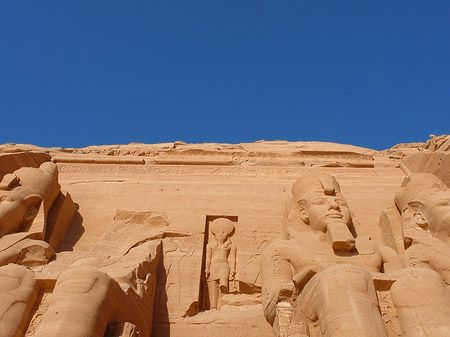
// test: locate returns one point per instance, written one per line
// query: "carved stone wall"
(143, 214)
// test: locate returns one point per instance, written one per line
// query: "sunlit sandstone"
(260, 239)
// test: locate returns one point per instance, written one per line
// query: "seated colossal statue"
(329, 280)
(322, 267)
(420, 300)
(26, 197)
(424, 204)
(86, 300)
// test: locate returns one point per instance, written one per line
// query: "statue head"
(221, 228)
(318, 202)
(424, 202)
(23, 192)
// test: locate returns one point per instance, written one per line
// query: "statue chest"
(322, 255)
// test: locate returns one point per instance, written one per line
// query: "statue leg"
(18, 292)
(224, 277)
(422, 303)
(223, 284)
(213, 291)
(343, 300)
(84, 301)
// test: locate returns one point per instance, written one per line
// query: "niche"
(218, 261)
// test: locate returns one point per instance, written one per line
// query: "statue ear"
(304, 215)
(32, 204)
(420, 220)
(30, 213)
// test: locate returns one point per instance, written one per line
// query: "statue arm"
(436, 257)
(277, 282)
(233, 260)
(208, 260)
(303, 276)
(390, 259)
(28, 252)
(9, 255)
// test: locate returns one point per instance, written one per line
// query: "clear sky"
(79, 73)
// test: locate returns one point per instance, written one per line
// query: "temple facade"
(263, 239)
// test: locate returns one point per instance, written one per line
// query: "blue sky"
(368, 73)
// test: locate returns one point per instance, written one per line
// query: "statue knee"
(419, 287)
(83, 303)
(345, 276)
(18, 290)
(325, 290)
(419, 281)
(332, 298)
(417, 292)
(83, 280)
(14, 277)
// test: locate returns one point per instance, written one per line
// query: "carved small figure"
(220, 259)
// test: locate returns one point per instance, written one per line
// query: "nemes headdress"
(323, 183)
(31, 181)
(414, 186)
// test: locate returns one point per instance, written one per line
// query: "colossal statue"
(86, 300)
(419, 293)
(323, 268)
(25, 195)
(22, 193)
(424, 204)
(102, 292)
(220, 259)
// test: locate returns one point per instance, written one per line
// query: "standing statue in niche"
(220, 259)
(322, 270)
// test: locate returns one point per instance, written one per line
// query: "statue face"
(221, 237)
(323, 209)
(437, 213)
(12, 212)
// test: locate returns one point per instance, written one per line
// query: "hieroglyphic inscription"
(39, 310)
(262, 172)
(276, 267)
(259, 157)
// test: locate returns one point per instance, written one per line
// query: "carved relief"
(133, 274)
(40, 307)
(126, 329)
(177, 170)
